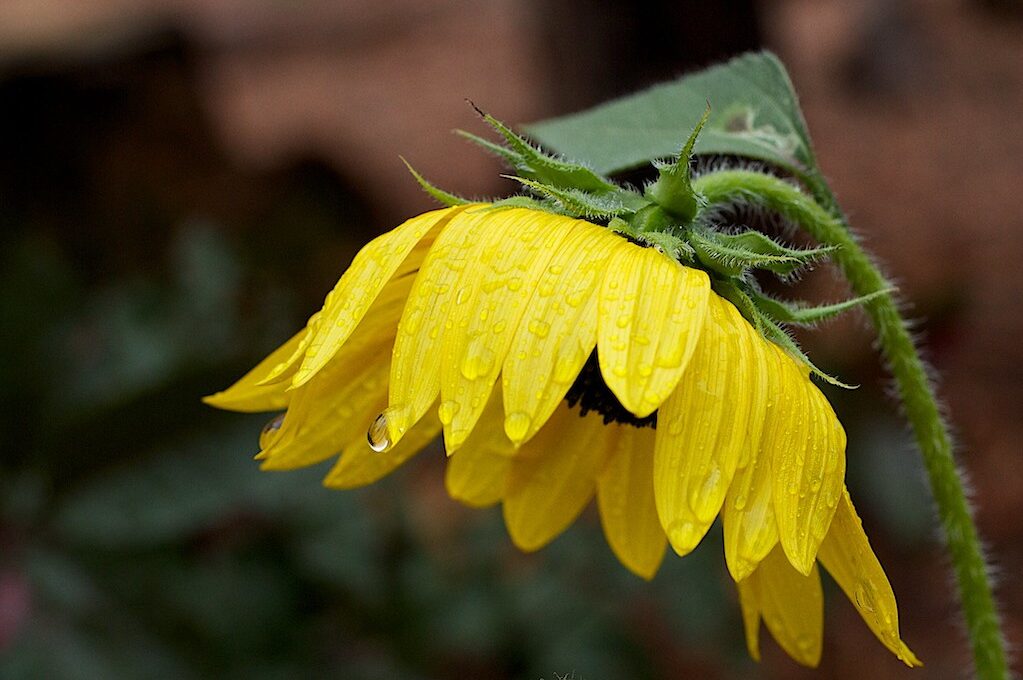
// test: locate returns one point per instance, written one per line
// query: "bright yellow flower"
(622, 374)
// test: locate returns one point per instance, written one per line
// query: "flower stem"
(915, 389)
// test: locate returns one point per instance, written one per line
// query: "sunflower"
(561, 359)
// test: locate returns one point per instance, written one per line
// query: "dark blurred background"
(181, 181)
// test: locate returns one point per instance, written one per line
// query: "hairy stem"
(915, 390)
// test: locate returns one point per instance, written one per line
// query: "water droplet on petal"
(516, 425)
(269, 431)
(805, 643)
(377, 435)
(864, 597)
(684, 536)
(566, 369)
(447, 410)
(539, 328)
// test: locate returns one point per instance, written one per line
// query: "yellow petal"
(748, 518)
(381, 259)
(558, 331)
(792, 606)
(325, 416)
(477, 473)
(334, 409)
(625, 496)
(702, 428)
(360, 465)
(808, 467)
(416, 363)
(553, 477)
(288, 364)
(847, 556)
(750, 607)
(248, 395)
(651, 314)
(493, 292)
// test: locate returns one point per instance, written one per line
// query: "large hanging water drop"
(377, 435)
(269, 431)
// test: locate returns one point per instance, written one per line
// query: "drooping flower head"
(628, 356)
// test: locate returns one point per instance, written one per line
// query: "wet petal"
(334, 409)
(625, 496)
(791, 604)
(558, 331)
(651, 313)
(381, 259)
(750, 528)
(416, 363)
(808, 469)
(477, 473)
(553, 477)
(703, 427)
(492, 294)
(847, 556)
(360, 465)
(248, 395)
(750, 607)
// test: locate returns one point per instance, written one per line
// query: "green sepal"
(543, 205)
(511, 158)
(577, 202)
(802, 315)
(547, 168)
(673, 190)
(438, 194)
(733, 254)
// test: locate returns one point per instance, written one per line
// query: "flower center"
(590, 393)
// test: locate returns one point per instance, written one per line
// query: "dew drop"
(685, 535)
(805, 643)
(447, 410)
(516, 425)
(864, 597)
(566, 369)
(539, 328)
(377, 435)
(710, 489)
(744, 566)
(269, 431)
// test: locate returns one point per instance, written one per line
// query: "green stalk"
(915, 390)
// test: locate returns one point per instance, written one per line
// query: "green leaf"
(755, 115)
